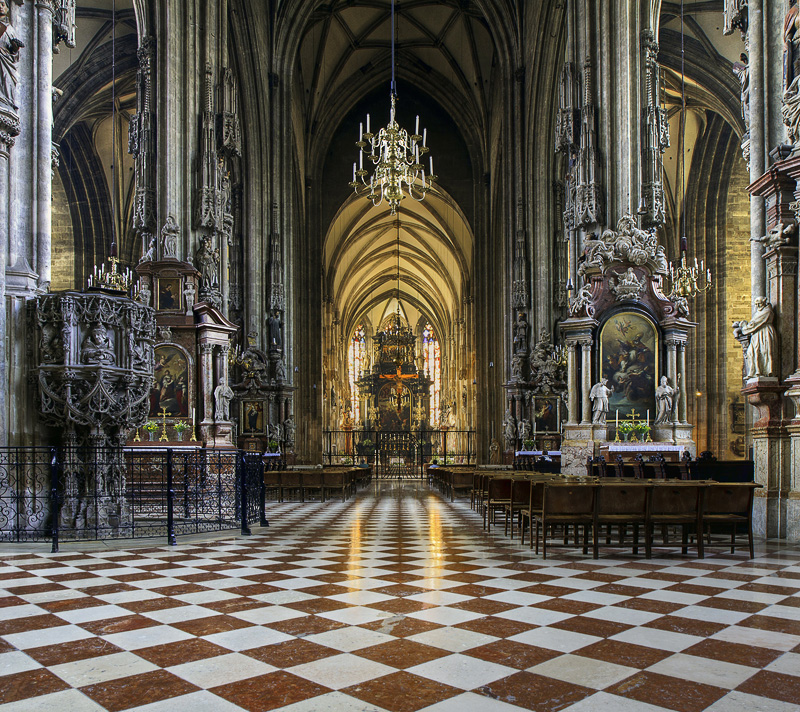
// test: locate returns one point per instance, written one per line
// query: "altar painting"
(546, 414)
(390, 417)
(170, 387)
(252, 420)
(169, 293)
(629, 360)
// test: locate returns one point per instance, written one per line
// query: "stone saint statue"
(665, 399)
(275, 330)
(288, 429)
(188, 295)
(761, 348)
(9, 56)
(742, 72)
(599, 396)
(223, 395)
(96, 348)
(509, 431)
(207, 260)
(524, 429)
(494, 452)
(521, 334)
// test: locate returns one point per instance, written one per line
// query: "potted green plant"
(528, 444)
(272, 446)
(642, 430)
(180, 428)
(151, 427)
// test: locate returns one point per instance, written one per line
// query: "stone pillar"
(790, 483)
(44, 140)
(586, 382)
(207, 384)
(682, 409)
(672, 368)
(572, 382)
(758, 145)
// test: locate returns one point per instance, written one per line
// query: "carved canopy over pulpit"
(624, 333)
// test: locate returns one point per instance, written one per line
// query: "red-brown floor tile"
(628, 654)
(266, 577)
(138, 690)
(317, 605)
(234, 605)
(733, 604)
(255, 589)
(777, 625)
(35, 588)
(49, 655)
(402, 627)
(483, 605)
(119, 625)
(211, 625)
(72, 604)
(402, 692)
(535, 692)
(184, 651)
(688, 626)
(136, 576)
(567, 605)
(621, 590)
(591, 626)
(646, 604)
(401, 653)
(547, 590)
(680, 695)
(153, 604)
(108, 588)
(266, 692)
(400, 605)
(26, 623)
(696, 589)
(498, 627)
(736, 653)
(32, 683)
(306, 625)
(291, 653)
(181, 589)
(512, 654)
(9, 601)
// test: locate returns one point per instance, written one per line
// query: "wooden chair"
(498, 495)
(620, 504)
(313, 483)
(677, 504)
(568, 505)
(336, 481)
(461, 482)
(520, 498)
(533, 510)
(730, 504)
(291, 482)
(272, 483)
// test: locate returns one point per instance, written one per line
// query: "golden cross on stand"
(164, 415)
(633, 415)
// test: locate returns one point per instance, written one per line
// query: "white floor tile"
(580, 670)
(338, 671)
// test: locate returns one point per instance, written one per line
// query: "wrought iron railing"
(107, 493)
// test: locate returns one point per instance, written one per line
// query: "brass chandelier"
(396, 156)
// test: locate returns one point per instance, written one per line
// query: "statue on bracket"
(760, 349)
(665, 401)
(10, 46)
(169, 239)
(791, 72)
(509, 431)
(207, 259)
(599, 397)
(288, 429)
(275, 327)
(582, 301)
(150, 255)
(521, 334)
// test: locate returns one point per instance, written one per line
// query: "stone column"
(758, 146)
(586, 382)
(207, 371)
(672, 367)
(572, 382)
(682, 410)
(791, 475)
(44, 140)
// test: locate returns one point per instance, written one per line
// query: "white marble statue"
(509, 431)
(9, 56)
(761, 349)
(524, 429)
(665, 400)
(599, 397)
(223, 395)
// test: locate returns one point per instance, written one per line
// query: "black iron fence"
(106, 493)
(398, 453)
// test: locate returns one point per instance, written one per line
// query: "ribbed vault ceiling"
(347, 39)
(435, 260)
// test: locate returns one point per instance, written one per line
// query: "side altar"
(626, 347)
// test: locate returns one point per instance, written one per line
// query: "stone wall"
(63, 274)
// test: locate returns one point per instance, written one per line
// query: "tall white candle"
(361, 132)
(648, 418)
(416, 126)
(367, 123)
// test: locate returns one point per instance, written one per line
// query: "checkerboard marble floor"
(396, 601)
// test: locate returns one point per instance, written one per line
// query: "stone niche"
(623, 327)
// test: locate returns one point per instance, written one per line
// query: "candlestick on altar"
(164, 415)
(648, 418)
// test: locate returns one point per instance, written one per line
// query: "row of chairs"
(657, 468)
(452, 480)
(323, 484)
(538, 505)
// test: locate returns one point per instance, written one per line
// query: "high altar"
(626, 348)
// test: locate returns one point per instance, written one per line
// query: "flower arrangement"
(625, 428)
(151, 426)
(367, 444)
(181, 426)
(642, 430)
(273, 445)
(528, 444)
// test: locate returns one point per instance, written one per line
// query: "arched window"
(433, 369)
(357, 354)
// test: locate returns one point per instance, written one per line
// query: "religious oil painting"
(169, 293)
(252, 418)
(394, 415)
(170, 389)
(629, 360)
(546, 414)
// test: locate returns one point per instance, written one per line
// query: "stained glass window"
(357, 363)
(433, 369)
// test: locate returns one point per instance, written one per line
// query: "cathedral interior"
(290, 260)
